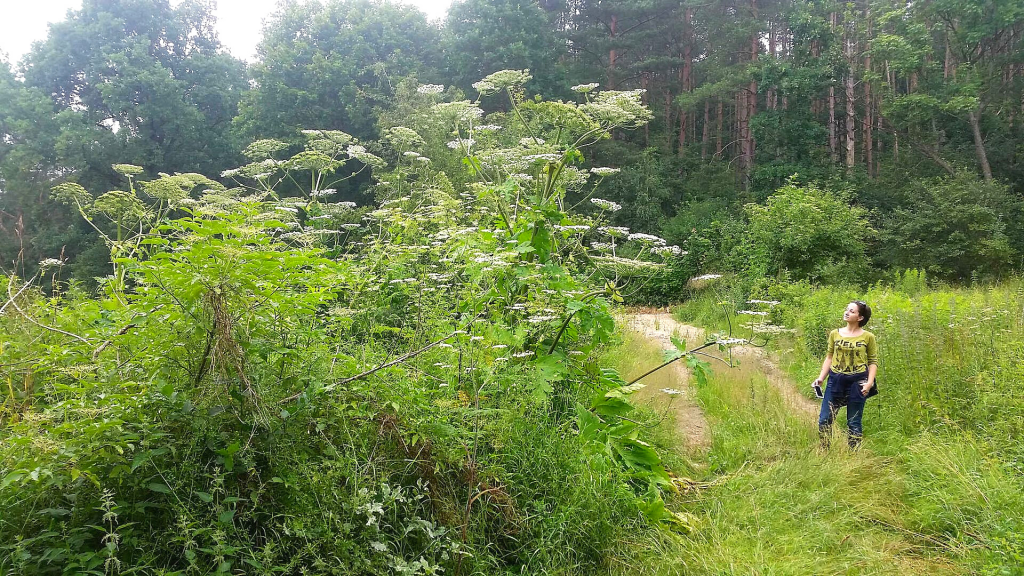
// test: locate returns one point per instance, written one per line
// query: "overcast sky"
(238, 22)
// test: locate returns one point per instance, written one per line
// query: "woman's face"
(852, 313)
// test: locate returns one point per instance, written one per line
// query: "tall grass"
(939, 483)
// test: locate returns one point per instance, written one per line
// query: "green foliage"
(485, 35)
(958, 228)
(807, 233)
(273, 383)
(331, 64)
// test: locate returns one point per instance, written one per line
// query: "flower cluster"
(430, 88)
(668, 251)
(502, 80)
(603, 171)
(606, 204)
(584, 88)
(646, 239)
(456, 144)
(614, 231)
(614, 108)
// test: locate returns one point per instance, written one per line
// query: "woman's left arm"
(872, 364)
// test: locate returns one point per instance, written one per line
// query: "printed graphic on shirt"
(851, 355)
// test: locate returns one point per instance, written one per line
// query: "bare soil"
(691, 426)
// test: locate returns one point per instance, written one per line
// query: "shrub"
(809, 234)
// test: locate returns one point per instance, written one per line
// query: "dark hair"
(864, 310)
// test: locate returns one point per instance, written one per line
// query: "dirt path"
(690, 423)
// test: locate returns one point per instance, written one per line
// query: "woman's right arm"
(825, 367)
(827, 364)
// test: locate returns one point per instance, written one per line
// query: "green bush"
(807, 233)
(955, 228)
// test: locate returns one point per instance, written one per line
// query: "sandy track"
(691, 425)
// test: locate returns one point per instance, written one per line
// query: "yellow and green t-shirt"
(851, 355)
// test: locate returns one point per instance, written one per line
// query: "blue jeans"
(843, 390)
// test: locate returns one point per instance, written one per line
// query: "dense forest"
(355, 307)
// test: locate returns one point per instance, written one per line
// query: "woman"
(851, 362)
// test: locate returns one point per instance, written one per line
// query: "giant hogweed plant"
(263, 314)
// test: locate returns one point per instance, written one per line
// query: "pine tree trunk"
(868, 106)
(750, 100)
(684, 74)
(612, 56)
(704, 133)
(668, 119)
(718, 128)
(851, 113)
(979, 145)
(770, 103)
(833, 137)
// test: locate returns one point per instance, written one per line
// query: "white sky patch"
(239, 22)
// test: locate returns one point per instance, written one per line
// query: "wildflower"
(411, 154)
(230, 173)
(539, 319)
(768, 302)
(668, 251)
(50, 263)
(606, 204)
(646, 239)
(618, 108)
(488, 128)
(524, 354)
(584, 88)
(501, 80)
(730, 341)
(322, 193)
(484, 87)
(752, 312)
(127, 169)
(499, 346)
(287, 209)
(545, 157)
(614, 231)
(467, 142)
(671, 391)
(707, 277)
(602, 246)
(575, 228)
(530, 141)
(601, 171)
(430, 88)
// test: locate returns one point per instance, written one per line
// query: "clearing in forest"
(774, 502)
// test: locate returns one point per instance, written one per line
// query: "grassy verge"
(938, 483)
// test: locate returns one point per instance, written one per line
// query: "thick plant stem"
(656, 368)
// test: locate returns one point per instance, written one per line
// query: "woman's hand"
(865, 387)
